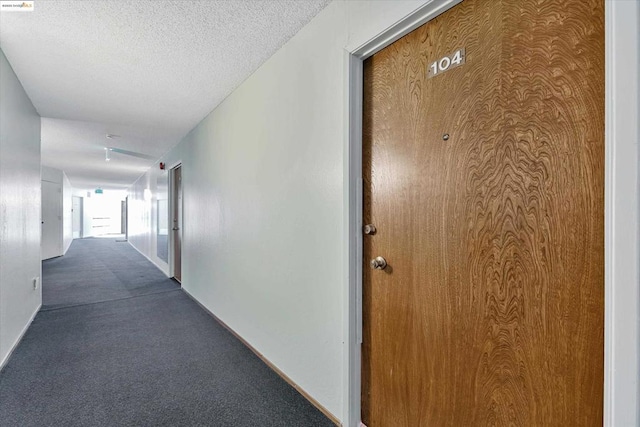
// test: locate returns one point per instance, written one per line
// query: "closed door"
(51, 243)
(76, 219)
(483, 160)
(177, 222)
(123, 217)
(126, 218)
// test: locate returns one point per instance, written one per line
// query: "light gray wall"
(140, 214)
(264, 191)
(51, 174)
(19, 209)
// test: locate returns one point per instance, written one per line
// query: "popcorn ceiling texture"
(144, 64)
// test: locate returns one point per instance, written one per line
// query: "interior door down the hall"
(51, 238)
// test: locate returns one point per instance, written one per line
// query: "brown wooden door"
(486, 184)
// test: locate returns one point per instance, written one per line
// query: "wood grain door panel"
(491, 309)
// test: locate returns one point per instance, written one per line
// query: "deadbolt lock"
(369, 229)
(378, 263)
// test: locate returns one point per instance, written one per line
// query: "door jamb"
(622, 201)
(622, 213)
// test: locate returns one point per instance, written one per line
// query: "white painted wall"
(64, 227)
(265, 193)
(19, 209)
(51, 175)
(140, 214)
(76, 220)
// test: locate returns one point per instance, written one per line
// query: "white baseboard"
(15, 344)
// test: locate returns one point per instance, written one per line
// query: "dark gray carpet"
(95, 270)
(149, 360)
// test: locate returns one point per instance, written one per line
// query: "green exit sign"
(98, 190)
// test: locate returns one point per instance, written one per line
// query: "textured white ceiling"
(146, 70)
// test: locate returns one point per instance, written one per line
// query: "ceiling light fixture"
(131, 153)
(107, 157)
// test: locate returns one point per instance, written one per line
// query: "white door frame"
(622, 201)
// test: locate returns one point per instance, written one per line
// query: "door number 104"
(446, 63)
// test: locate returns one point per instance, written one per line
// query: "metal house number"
(446, 63)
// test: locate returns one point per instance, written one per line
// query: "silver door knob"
(175, 229)
(378, 263)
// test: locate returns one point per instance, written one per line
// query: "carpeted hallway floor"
(96, 270)
(118, 344)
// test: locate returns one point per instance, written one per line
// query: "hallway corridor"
(116, 343)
